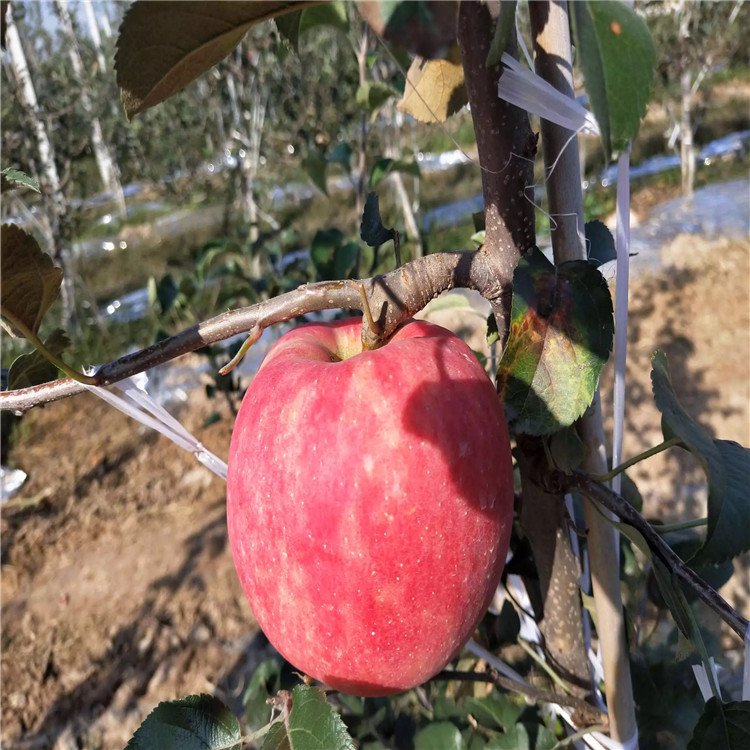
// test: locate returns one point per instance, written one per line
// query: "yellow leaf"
(434, 90)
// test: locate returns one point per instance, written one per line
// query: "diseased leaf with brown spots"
(434, 89)
(561, 333)
(30, 280)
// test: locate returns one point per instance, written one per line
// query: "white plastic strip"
(140, 406)
(622, 243)
(702, 679)
(494, 662)
(523, 87)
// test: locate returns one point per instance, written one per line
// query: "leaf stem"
(42, 349)
(543, 664)
(668, 528)
(637, 459)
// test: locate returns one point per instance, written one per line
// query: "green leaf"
(516, 739)
(630, 492)
(371, 230)
(341, 154)
(12, 178)
(506, 22)
(199, 722)
(561, 331)
(722, 727)
(373, 95)
(567, 449)
(494, 711)
(727, 467)
(165, 292)
(316, 168)
(164, 46)
(440, 735)
(34, 368)
(332, 256)
(383, 167)
(324, 14)
(600, 243)
(618, 58)
(545, 740)
(264, 683)
(312, 724)
(30, 280)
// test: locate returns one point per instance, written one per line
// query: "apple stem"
(372, 325)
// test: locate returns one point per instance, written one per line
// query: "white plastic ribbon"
(521, 86)
(701, 677)
(746, 670)
(141, 407)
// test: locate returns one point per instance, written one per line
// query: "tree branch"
(582, 483)
(393, 298)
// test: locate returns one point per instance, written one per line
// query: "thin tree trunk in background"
(56, 202)
(687, 151)
(361, 54)
(550, 27)
(104, 162)
(96, 39)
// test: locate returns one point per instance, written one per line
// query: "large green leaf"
(312, 724)
(516, 739)
(727, 467)
(198, 722)
(30, 280)
(561, 331)
(722, 727)
(163, 46)
(34, 368)
(494, 711)
(618, 59)
(440, 735)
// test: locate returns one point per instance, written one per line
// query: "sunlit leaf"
(722, 727)
(506, 22)
(13, 178)
(164, 45)
(198, 722)
(312, 724)
(434, 89)
(727, 467)
(34, 368)
(600, 243)
(371, 230)
(561, 331)
(383, 167)
(440, 735)
(618, 58)
(424, 27)
(30, 280)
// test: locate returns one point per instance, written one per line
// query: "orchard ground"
(118, 588)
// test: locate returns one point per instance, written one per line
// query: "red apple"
(369, 502)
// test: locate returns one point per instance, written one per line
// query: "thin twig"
(582, 483)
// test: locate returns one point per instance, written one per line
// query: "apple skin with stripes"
(369, 502)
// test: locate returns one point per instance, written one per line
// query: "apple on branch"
(369, 502)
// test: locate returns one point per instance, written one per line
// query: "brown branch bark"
(393, 298)
(506, 148)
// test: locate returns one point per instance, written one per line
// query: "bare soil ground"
(118, 588)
